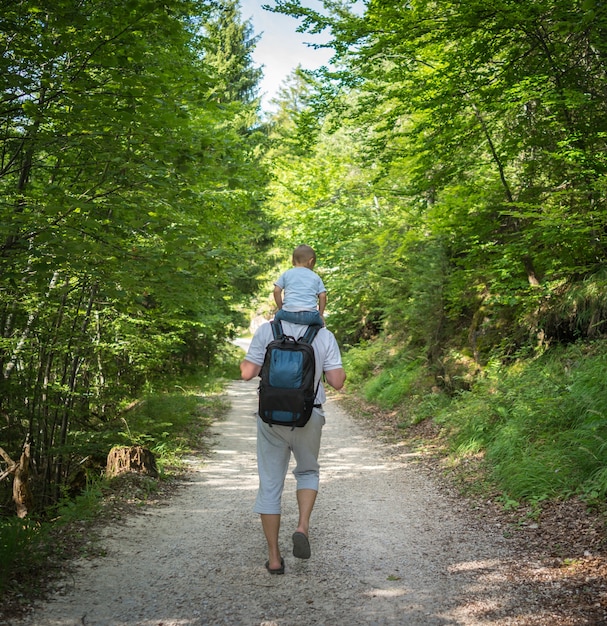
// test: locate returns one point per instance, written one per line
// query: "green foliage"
(131, 232)
(576, 308)
(394, 383)
(540, 423)
(480, 136)
(229, 48)
(393, 378)
(171, 420)
(21, 549)
(320, 195)
(478, 244)
(451, 175)
(533, 429)
(366, 359)
(84, 506)
(172, 423)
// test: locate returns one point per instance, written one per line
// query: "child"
(302, 288)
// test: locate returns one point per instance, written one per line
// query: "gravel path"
(389, 546)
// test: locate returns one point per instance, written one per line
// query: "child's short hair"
(303, 253)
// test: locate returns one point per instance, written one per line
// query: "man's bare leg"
(305, 502)
(271, 528)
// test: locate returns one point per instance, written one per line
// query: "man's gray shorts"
(274, 447)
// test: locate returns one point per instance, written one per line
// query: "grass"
(384, 375)
(393, 384)
(530, 431)
(23, 550)
(541, 424)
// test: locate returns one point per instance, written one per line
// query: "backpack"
(286, 389)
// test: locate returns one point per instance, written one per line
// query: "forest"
(449, 169)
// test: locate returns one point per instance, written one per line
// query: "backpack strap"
(310, 334)
(308, 337)
(277, 329)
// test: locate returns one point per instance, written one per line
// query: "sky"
(281, 49)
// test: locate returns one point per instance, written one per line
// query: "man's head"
(304, 256)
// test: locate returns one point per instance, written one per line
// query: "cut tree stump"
(131, 459)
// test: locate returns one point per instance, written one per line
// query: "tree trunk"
(22, 495)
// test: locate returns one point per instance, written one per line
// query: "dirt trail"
(389, 546)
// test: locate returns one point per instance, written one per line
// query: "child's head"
(304, 256)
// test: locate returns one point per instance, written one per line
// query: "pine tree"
(229, 54)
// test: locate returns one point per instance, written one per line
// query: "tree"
(129, 216)
(230, 43)
(320, 195)
(487, 125)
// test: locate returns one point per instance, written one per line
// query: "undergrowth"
(172, 421)
(540, 424)
(384, 374)
(537, 429)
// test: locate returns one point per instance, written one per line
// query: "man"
(275, 444)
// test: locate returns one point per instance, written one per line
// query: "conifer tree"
(229, 49)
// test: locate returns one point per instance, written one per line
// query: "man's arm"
(336, 378)
(249, 370)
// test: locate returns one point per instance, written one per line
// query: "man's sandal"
(278, 570)
(301, 546)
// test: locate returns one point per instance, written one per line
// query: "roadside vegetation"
(450, 174)
(171, 421)
(524, 432)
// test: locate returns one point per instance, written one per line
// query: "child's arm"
(322, 302)
(278, 296)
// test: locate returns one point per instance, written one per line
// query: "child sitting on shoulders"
(302, 289)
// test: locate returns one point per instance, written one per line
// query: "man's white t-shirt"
(326, 351)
